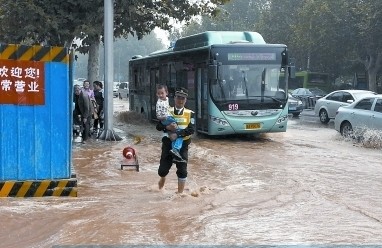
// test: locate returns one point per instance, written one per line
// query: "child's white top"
(162, 108)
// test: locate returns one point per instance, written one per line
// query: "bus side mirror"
(292, 71)
(213, 72)
(220, 72)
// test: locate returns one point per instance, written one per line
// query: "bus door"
(154, 78)
(201, 100)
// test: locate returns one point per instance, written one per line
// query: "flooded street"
(306, 186)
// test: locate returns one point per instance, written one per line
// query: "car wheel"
(324, 116)
(296, 114)
(119, 95)
(346, 130)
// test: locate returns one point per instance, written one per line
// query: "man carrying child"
(164, 116)
(184, 128)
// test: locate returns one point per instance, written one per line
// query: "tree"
(368, 35)
(124, 50)
(54, 22)
(349, 32)
(277, 24)
(328, 36)
(236, 15)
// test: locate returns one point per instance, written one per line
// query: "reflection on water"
(305, 186)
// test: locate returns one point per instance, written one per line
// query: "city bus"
(308, 79)
(233, 80)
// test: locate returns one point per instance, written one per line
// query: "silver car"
(123, 90)
(364, 114)
(115, 89)
(295, 106)
(327, 106)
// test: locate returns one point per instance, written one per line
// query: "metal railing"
(309, 101)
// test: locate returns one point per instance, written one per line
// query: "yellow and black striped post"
(34, 53)
(38, 188)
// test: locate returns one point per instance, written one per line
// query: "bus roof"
(209, 38)
(217, 37)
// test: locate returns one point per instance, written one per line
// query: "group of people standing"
(88, 108)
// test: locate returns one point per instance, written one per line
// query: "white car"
(326, 107)
(123, 90)
(115, 89)
(364, 114)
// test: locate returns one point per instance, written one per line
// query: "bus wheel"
(324, 116)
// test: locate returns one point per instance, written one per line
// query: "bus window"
(191, 84)
(172, 81)
(145, 79)
(164, 74)
(135, 79)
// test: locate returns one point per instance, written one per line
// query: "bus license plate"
(252, 126)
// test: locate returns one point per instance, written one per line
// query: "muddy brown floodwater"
(305, 186)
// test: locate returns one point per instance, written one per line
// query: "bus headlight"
(219, 121)
(282, 119)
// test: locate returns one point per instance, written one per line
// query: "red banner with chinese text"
(22, 82)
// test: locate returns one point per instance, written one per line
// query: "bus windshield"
(249, 81)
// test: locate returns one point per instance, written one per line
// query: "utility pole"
(309, 45)
(108, 132)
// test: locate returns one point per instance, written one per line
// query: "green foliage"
(278, 22)
(39, 22)
(54, 22)
(334, 36)
(325, 35)
(123, 49)
(235, 15)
